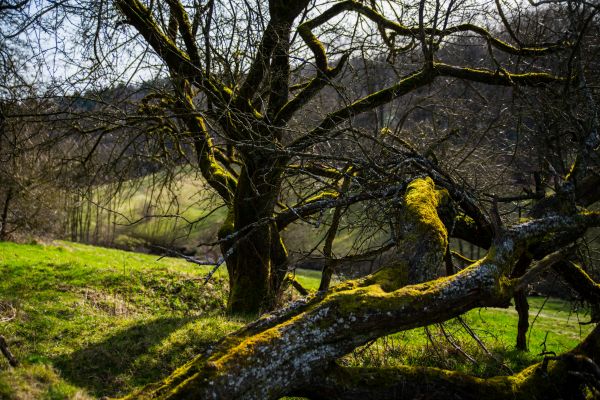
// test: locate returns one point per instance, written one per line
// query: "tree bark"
(556, 378)
(521, 303)
(257, 258)
(5, 208)
(522, 307)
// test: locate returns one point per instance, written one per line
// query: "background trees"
(28, 199)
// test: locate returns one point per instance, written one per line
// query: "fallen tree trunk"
(285, 351)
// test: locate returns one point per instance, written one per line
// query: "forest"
(322, 199)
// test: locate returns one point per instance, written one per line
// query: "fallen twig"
(9, 356)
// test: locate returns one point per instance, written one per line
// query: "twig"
(193, 260)
(540, 266)
(475, 337)
(9, 356)
(298, 286)
(455, 345)
(534, 320)
(5, 307)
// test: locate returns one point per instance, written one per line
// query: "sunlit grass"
(483, 341)
(103, 320)
(87, 322)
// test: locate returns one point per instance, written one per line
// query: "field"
(181, 211)
(87, 322)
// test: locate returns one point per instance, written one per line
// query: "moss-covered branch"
(498, 77)
(309, 91)
(321, 132)
(315, 169)
(185, 29)
(579, 280)
(219, 178)
(410, 83)
(259, 64)
(563, 377)
(318, 50)
(140, 17)
(273, 56)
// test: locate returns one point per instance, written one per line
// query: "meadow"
(88, 322)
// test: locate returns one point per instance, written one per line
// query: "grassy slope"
(92, 322)
(182, 210)
(178, 209)
(107, 320)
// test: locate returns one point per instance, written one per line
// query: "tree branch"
(560, 379)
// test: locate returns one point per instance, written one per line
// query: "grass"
(87, 322)
(177, 209)
(180, 210)
(481, 342)
(105, 321)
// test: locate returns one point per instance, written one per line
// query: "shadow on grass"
(112, 367)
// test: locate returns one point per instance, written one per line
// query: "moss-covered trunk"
(256, 260)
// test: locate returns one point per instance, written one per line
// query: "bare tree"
(252, 129)
(269, 103)
(27, 201)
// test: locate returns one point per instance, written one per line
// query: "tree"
(257, 97)
(293, 351)
(247, 83)
(26, 197)
(246, 131)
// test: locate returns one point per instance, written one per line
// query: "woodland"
(427, 158)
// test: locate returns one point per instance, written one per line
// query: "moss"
(37, 381)
(421, 225)
(390, 278)
(495, 77)
(228, 225)
(324, 195)
(314, 45)
(380, 293)
(421, 202)
(466, 220)
(218, 177)
(141, 17)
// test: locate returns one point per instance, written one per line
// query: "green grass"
(554, 328)
(181, 210)
(309, 279)
(105, 321)
(159, 209)
(87, 322)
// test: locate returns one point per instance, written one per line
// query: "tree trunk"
(522, 307)
(5, 208)
(256, 256)
(74, 211)
(521, 303)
